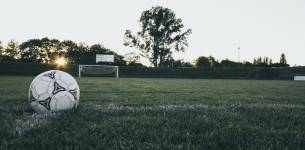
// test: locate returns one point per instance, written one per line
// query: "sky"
(259, 27)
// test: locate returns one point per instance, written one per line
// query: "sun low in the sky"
(60, 61)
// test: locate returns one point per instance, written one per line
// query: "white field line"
(115, 107)
(31, 121)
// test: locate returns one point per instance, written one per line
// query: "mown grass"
(159, 114)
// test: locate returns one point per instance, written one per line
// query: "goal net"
(98, 70)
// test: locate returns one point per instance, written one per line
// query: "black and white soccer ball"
(53, 90)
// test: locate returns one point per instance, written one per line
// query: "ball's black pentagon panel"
(73, 93)
(57, 88)
(50, 75)
(46, 103)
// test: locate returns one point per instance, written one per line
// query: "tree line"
(46, 50)
(210, 61)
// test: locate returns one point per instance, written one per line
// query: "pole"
(79, 70)
(117, 72)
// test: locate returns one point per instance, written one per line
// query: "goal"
(98, 70)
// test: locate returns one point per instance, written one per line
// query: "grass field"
(159, 114)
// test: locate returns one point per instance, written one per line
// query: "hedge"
(286, 73)
(214, 72)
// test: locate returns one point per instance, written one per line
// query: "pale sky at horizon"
(258, 27)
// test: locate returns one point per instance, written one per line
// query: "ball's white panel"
(35, 94)
(41, 86)
(39, 108)
(60, 94)
(67, 78)
(47, 79)
(43, 96)
(53, 90)
(71, 96)
(34, 103)
(62, 103)
(73, 86)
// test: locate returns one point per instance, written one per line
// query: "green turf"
(159, 114)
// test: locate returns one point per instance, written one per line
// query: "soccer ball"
(53, 90)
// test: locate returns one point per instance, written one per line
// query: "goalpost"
(95, 70)
(98, 70)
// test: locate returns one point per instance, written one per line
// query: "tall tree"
(161, 34)
(31, 51)
(40, 50)
(52, 47)
(72, 52)
(83, 50)
(12, 50)
(68, 45)
(283, 60)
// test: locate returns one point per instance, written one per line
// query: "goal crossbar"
(97, 68)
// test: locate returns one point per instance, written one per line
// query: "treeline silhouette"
(210, 61)
(46, 50)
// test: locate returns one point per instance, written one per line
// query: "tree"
(68, 45)
(52, 47)
(132, 59)
(118, 60)
(72, 52)
(84, 55)
(40, 50)
(186, 64)
(161, 34)
(31, 51)
(229, 63)
(247, 64)
(270, 62)
(203, 61)
(213, 62)
(181, 63)
(283, 60)
(12, 50)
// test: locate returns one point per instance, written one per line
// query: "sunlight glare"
(61, 61)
